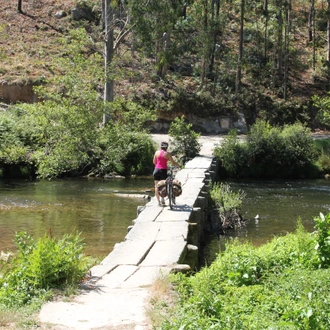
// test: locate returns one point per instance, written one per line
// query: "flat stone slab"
(145, 277)
(119, 309)
(173, 230)
(150, 212)
(115, 278)
(186, 174)
(101, 270)
(199, 162)
(166, 253)
(128, 253)
(169, 215)
(144, 231)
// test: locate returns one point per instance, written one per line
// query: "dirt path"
(208, 142)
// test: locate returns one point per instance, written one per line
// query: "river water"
(89, 207)
(279, 204)
(93, 208)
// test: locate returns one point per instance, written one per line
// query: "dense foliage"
(280, 285)
(40, 266)
(184, 140)
(62, 134)
(270, 151)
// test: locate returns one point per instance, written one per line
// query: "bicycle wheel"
(170, 195)
(173, 198)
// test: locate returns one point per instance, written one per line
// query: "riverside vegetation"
(38, 271)
(280, 285)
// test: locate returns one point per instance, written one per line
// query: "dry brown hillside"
(28, 39)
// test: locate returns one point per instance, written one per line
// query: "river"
(90, 207)
(93, 208)
(279, 204)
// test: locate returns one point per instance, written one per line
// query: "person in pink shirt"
(161, 157)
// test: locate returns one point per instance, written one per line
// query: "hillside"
(29, 41)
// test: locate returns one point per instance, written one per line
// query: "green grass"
(279, 285)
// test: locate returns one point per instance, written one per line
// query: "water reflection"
(279, 205)
(90, 207)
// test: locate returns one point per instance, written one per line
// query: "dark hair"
(164, 145)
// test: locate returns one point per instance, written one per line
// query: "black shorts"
(160, 174)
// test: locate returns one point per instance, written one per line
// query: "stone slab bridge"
(160, 241)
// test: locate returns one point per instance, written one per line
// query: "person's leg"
(156, 191)
(163, 175)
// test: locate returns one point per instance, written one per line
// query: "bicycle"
(169, 187)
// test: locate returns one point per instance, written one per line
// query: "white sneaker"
(163, 201)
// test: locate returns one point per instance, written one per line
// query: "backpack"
(177, 189)
(161, 186)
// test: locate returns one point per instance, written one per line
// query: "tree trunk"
(328, 32)
(240, 51)
(162, 45)
(19, 6)
(108, 55)
(310, 21)
(215, 19)
(205, 53)
(266, 30)
(286, 48)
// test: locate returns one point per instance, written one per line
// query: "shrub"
(224, 198)
(323, 150)
(232, 155)
(323, 239)
(274, 286)
(41, 266)
(323, 162)
(287, 152)
(124, 151)
(184, 139)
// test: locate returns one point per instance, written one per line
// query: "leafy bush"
(56, 140)
(224, 198)
(125, 151)
(184, 139)
(41, 266)
(232, 155)
(323, 150)
(323, 162)
(287, 152)
(275, 286)
(323, 239)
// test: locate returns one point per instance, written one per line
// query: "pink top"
(161, 161)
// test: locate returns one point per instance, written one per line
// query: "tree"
(154, 24)
(108, 55)
(112, 19)
(287, 32)
(265, 10)
(19, 6)
(328, 37)
(240, 50)
(311, 29)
